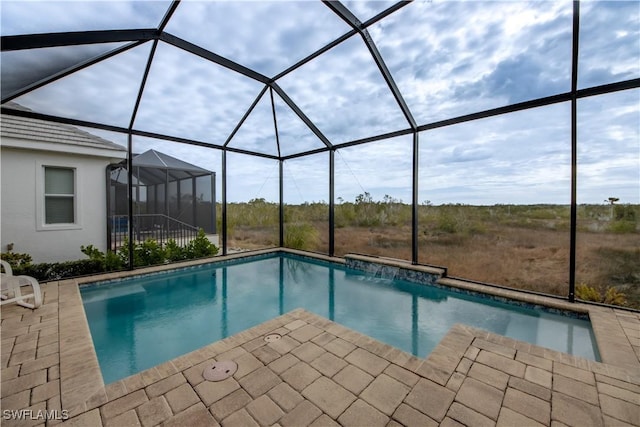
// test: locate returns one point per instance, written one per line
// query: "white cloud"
(447, 57)
(190, 97)
(455, 58)
(265, 36)
(344, 94)
(609, 47)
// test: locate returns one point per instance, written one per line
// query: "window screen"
(59, 195)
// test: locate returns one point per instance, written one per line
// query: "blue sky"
(448, 58)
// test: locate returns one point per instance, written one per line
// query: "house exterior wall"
(22, 204)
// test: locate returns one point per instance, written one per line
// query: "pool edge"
(82, 386)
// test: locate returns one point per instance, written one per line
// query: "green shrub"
(587, 293)
(146, 253)
(110, 261)
(611, 296)
(301, 236)
(614, 297)
(149, 252)
(16, 260)
(174, 252)
(447, 224)
(345, 215)
(622, 227)
(200, 247)
(45, 272)
(477, 228)
(624, 213)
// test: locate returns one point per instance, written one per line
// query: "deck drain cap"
(219, 371)
(272, 337)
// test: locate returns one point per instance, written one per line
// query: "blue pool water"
(140, 322)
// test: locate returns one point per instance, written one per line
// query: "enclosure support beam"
(386, 74)
(108, 216)
(300, 114)
(275, 122)
(315, 54)
(574, 152)
(224, 202)
(214, 213)
(380, 137)
(194, 204)
(37, 41)
(332, 206)
(345, 14)
(130, 196)
(281, 211)
(213, 57)
(143, 83)
(126, 131)
(550, 100)
(166, 203)
(342, 38)
(168, 15)
(414, 202)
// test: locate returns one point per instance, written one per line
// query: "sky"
(448, 58)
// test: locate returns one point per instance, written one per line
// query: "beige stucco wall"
(20, 200)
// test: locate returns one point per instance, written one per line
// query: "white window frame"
(41, 218)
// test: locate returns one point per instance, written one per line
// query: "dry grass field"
(524, 247)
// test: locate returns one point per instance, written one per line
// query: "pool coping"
(82, 387)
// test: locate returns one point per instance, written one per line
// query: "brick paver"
(480, 397)
(385, 393)
(285, 396)
(211, 392)
(302, 415)
(367, 361)
(240, 418)
(430, 398)
(300, 375)
(353, 379)
(527, 405)
(319, 374)
(332, 398)
(264, 410)
(181, 398)
(165, 385)
(197, 415)
(406, 415)
(260, 381)
(128, 419)
(229, 404)
(360, 413)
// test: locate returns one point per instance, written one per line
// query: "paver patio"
(319, 374)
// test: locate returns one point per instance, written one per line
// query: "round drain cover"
(219, 371)
(272, 337)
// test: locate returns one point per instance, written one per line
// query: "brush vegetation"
(521, 246)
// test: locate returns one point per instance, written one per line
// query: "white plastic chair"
(11, 291)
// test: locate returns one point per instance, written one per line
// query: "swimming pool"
(139, 322)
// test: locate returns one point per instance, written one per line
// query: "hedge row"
(46, 272)
(145, 253)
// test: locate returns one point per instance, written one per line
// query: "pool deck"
(320, 374)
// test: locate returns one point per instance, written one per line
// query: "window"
(59, 195)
